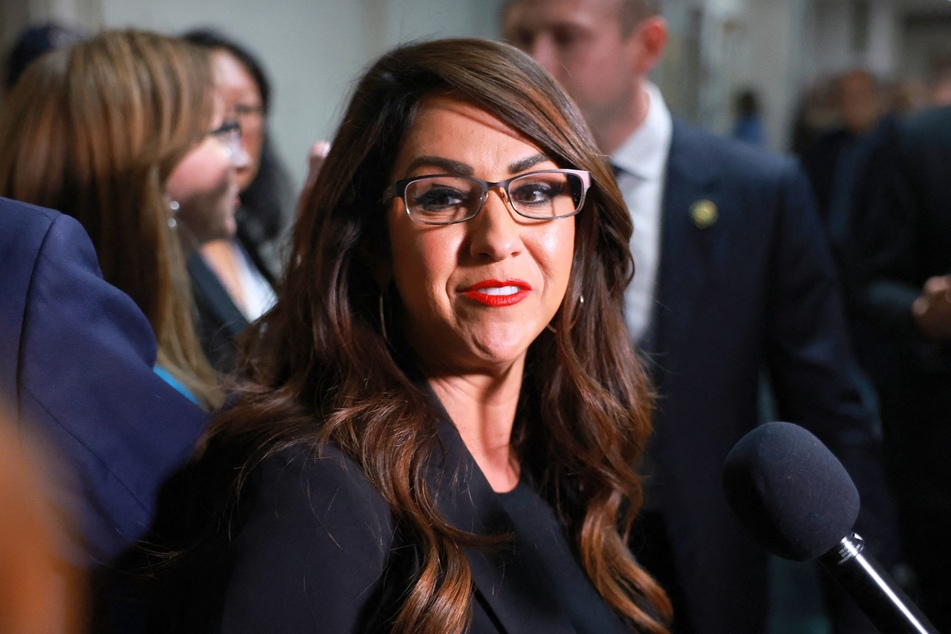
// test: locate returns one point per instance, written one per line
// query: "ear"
(650, 39)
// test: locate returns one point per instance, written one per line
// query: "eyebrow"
(462, 169)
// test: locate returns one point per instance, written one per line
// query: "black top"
(541, 545)
(313, 547)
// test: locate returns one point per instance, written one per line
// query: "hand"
(932, 310)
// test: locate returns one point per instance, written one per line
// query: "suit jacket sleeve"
(85, 382)
(315, 554)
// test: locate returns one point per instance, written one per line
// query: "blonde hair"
(94, 130)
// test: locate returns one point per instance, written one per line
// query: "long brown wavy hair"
(94, 130)
(319, 369)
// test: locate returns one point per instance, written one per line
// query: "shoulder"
(717, 156)
(924, 124)
(314, 548)
(322, 485)
(926, 136)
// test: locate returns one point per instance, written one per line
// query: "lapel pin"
(704, 214)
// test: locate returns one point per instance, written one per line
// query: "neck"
(483, 410)
(612, 132)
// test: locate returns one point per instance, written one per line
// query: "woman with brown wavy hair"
(438, 423)
(114, 131)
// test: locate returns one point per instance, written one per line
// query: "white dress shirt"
(641, 163)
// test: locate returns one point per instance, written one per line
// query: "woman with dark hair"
(245, 269)
(439, 422)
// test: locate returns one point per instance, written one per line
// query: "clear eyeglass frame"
(399, 189)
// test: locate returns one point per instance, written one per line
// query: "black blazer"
(219, 320)
(318, 551)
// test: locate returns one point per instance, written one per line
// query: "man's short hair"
(633, 12)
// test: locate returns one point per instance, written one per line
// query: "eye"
(522, 39)
(566, 37)
(438, 198)
(536, 192)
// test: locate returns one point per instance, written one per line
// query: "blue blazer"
(76, 358)
(745, 281)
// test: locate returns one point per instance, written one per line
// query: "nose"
(495, 233)
(236, 152)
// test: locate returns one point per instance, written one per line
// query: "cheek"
(253, 142)
(423, 263)
(556, 249)
(204, 171)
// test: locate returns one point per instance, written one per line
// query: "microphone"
(799, 503)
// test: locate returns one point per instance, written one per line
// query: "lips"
(498, 292)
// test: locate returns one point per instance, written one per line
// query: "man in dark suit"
(901, 226)
(76, 367)
(733, 275)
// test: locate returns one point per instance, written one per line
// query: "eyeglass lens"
(448, 199)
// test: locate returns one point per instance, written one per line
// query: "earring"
(581, 300)
(173, 207)
(382, 316)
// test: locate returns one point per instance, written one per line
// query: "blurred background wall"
(313, 49)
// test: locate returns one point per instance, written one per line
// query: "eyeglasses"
(229, 135)
(443, 199)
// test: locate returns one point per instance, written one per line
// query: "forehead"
(231, 73)
(461, 132)
(546, 14)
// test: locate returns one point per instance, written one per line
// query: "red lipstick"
(498, 292)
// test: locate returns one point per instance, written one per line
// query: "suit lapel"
(507, 589)
(210, 291)
(693, 239)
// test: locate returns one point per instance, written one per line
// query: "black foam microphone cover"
(790, 491)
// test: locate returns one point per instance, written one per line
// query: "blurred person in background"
(248, 266)
(814, 115)
(126, 133)
(36, 40)
(834, 160)
(901, 229)
(40, 592)
(748, 120)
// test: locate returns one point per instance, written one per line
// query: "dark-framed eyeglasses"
(229, 134)
(445, 199)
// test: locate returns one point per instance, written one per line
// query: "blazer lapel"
(464, 497)
(214, 295)
(692, 238)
